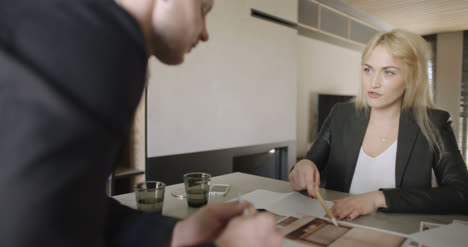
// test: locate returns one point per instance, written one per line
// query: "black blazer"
(336, 150)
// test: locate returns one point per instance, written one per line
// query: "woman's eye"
(366, 70)
(389, 73)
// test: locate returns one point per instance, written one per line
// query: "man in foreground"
(71, 76)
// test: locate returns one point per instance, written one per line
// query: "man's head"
(177, 27)
(171, 27)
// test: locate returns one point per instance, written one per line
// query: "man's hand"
(253, 230)
(206, 224)
(305, 176)
(352, 207)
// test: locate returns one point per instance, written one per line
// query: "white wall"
(449, 74)
(239, 89)
(323, 68)
(254, 82)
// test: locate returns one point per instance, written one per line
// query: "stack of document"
(451, 235)
(302, 221)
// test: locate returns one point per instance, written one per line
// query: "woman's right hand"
(305, 176)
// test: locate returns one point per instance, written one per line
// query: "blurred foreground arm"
(224, 224)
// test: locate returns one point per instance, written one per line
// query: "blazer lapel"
(408, 131)
(354, 139)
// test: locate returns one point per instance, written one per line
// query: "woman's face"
(383, 79)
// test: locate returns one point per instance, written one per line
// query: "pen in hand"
(325, 206)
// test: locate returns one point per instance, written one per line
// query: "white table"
(241, 183)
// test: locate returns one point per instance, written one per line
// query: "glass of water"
(197, 187)
(150, 196)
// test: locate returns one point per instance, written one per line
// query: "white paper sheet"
(287, 204)
(296, 205)
(452, 235)
(263, 198)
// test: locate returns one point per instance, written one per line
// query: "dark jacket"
(336, 150)
(71, 76)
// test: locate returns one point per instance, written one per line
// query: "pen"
(325, 207)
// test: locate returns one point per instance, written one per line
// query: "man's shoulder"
(91, 52)
(66, 20)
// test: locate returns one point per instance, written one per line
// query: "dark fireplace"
(265, 164)
(326, 103)
(268, 160)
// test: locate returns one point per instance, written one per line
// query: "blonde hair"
(414, 51)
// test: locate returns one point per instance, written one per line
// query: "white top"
(371, 174)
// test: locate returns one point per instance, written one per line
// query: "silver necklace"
(386, 137)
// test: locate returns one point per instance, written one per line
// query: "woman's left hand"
(351, 207)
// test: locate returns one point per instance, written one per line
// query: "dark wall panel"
(334, 23)
(308, 13)
(361, 33)
(170, 169)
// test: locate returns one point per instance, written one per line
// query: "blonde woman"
(383, 148)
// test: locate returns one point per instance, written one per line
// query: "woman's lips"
(373, 94)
